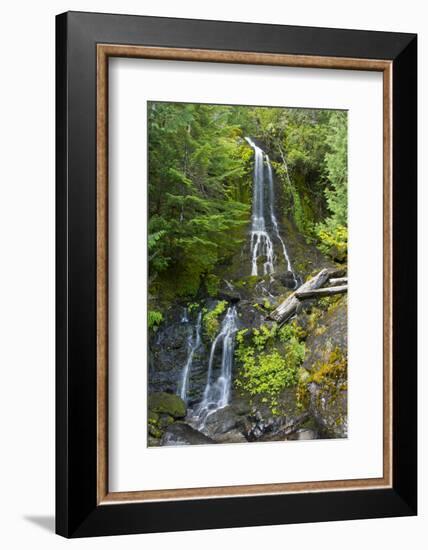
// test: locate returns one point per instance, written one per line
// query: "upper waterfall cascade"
(264, 224)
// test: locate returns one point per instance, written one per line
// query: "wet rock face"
(181, 433)
(222, 421)
(265, 426)
(330, 411)
(168, 354)
(331, 332)
(287, 280)
(326, 360)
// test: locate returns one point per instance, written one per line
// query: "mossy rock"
(153, 417)
(327, 330)
(154, 430)
(165, 420)
(167, 403)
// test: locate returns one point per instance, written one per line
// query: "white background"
(132, 83)
(27, 273)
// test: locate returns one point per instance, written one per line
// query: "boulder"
(266, 426)
(287, 280)
(303, 434)
(222, 421)
(181, 433)
(167, 404)
(233, 436)
(329, 408)
(231, 296)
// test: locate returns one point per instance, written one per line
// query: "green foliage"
(332, 232)
(200, 186)
(337, 168)
(154, 319)
(212, 283)
(158, 260)
(330, 375)
(333, 240)
(262, 335)
(269, 359)
(211, 320)
(199, 193)
(291, 332)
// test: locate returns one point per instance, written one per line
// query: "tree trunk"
(320, 292)
(285, 310)
(339, 281)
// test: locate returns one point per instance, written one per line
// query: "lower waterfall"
(193, 343)
(217, 392)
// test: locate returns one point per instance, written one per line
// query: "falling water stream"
(262, 242)
(264, 232)
(193, 343)
(217, 391)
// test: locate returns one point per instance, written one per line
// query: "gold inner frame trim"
(104, 51)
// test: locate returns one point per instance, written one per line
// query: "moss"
(154, 319)
(329, 375)
(153, 417)
(153, 426)
(211, 319)
(333, 241)
(248, 282)
(313, 319)
(320, 330)
(336, 302)
(165, 420)
(167, 403)
(331, 372)
(212, 283)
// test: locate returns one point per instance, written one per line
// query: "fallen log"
(320, 292)
(288, 307)
(337, 282)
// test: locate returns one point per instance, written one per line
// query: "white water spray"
(217, 392)
(261, 240)
(193, 343)
(275, 222)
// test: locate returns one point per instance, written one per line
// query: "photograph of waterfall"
(247, 286)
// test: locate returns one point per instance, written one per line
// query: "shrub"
(269, 361)
(333, 240)
(154, 319)
(211, 321)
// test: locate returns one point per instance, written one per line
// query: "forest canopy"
(200, 185)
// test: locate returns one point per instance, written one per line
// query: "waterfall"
(185, 317)
(261, 241)
(193, 343)
(217, 392)
(275, 222)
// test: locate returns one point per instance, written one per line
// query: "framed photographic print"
(236, 274)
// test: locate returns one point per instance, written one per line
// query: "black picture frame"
(77, 511)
